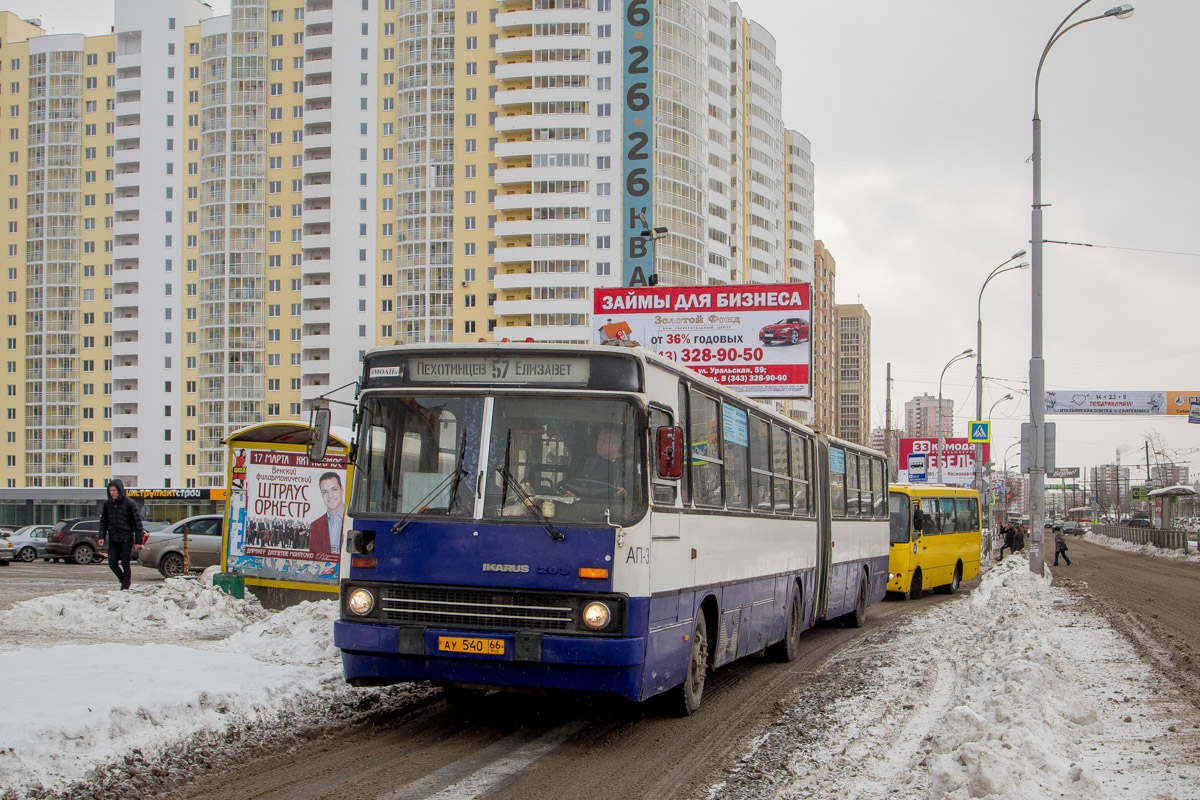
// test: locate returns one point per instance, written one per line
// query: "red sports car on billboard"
(792, 330)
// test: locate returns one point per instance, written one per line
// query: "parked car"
(30, 542)
(76, 539)
(7, 552)
(1136, 522)
(791, 330)
(163, 550)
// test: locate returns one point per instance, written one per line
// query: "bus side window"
(781, 467)
(837, 481)
(852, 487)
(760, 465)
(881, 487)
(801, 486)
(685, 484)
(963, 514)
(735, 425)
(704, 446)
(663, 490)
(933, 523)
(947, 514)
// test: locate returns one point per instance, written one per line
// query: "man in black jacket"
(120, 523)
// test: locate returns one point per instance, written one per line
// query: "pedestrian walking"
(120, 523)
(1018, 537)
(1060, 547)
(1008, 532)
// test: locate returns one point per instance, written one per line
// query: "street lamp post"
(941, 453)
(1005, 267)
(1006, 452)
(1037, 363)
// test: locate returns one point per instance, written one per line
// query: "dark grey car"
(163, 550)
(76, 539)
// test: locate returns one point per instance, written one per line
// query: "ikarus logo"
(506, 568)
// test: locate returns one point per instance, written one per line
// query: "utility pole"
(887, 423)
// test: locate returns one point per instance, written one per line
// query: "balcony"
(523, 175)
(527, 122)
(532, 226)
(506, 20)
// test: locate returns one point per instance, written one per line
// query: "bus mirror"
(918, 520)
(318, 441)
(669, 453)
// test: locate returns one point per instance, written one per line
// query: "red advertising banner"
(752, 338)
(960, 460)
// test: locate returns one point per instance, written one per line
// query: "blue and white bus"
(591, 518)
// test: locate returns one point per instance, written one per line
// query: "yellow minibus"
(935, 538)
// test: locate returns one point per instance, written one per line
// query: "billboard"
(1171, 403)
(960, 460)
(1180, 403)
(752, 338)
(286, 515)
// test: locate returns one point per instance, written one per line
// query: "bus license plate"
(480, 647)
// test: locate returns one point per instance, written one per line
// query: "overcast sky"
(919, 114)
(919, 117)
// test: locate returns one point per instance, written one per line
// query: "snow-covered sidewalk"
(1143, 549)
(1015, 691)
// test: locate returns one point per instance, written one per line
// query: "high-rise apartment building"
(211, 219)
(854, 373)
(921, 417)
(824, 337)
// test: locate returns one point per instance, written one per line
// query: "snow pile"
(1015, 727)
(1142, 549)
(179, 608)
(230, 664)
(1017, 691)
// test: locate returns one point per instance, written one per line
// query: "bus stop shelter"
(277, 539)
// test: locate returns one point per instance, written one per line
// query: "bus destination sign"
(517, 370)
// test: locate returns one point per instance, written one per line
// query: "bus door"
(901, 534)
(824, 532)
(671, 564)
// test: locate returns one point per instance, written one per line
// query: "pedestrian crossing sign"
(979, 432)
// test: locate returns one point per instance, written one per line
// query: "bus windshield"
(899, 509)
(409, 453)
(576, 459)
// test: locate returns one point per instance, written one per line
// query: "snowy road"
(1016, 690)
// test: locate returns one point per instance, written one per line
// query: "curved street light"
(1007, 266)
(1037, 363)
(941, 451)
(998, 402)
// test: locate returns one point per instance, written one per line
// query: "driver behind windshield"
(603, 466)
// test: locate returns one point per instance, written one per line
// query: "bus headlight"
(596, 616)
(360, 602)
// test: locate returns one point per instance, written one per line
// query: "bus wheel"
(952, 586)
(686, 697)
(914, 589)
(789, 647)
(857, 617)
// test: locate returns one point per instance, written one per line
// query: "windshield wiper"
(454, 476)
(526, 500)
(459, 473)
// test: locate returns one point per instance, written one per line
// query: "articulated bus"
(591, 518)
(935, 538)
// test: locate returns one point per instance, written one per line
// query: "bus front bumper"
(378, 654)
